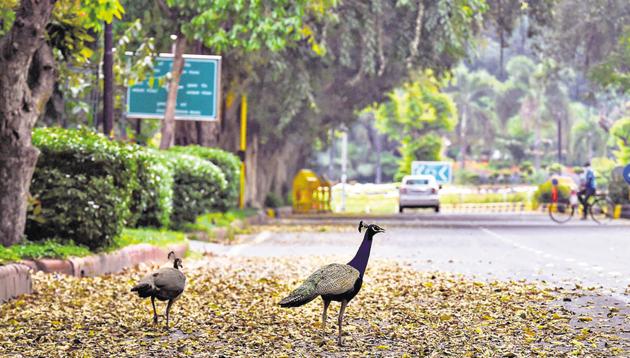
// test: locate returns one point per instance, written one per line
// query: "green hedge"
(227, 162)
(83, 184)
(152, 201)
(197, 187)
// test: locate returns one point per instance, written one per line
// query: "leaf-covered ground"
(230, 309)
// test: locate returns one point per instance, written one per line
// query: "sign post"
(626, 173)
(441, 171)
(198, 95)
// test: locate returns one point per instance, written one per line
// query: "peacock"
(165, 284)
(336, 282)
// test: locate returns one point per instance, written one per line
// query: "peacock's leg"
(154, 312)
(341, 311)
(326, 303)
(168, 309)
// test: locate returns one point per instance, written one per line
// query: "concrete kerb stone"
(117, 261)
(15, 280)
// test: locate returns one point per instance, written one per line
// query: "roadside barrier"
(620, 211)
(486, 207)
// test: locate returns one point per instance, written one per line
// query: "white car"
(419, 191)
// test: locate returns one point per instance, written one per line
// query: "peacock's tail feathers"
(300, 296)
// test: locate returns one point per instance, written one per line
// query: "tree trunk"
(168, 122)
(462, 139)
(378, 141)
(27, 78)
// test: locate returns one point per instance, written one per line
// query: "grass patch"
(153, 237)
(55, 250)
(205, 225)
(39, 250)
(214, 220)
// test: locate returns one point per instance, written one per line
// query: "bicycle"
(601, 208)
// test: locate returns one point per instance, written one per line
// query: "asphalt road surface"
(486, 246)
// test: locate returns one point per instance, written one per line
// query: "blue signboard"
(626, 173)
(442, 171)
(197, 94)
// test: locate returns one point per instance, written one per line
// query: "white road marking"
(582, 264)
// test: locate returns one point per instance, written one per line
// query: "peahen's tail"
(301, 295)
(144, 289)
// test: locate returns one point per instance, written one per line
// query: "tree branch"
(413, 48)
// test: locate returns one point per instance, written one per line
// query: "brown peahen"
(336, 282)
(165, 284)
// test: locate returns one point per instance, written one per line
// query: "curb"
(15, 280)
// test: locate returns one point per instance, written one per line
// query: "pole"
(331, 155)
(559, 140)
(344, 164)
(243, 148)
(108, 85)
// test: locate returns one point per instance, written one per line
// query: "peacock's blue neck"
(360, 260)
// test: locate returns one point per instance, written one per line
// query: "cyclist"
(588, 188)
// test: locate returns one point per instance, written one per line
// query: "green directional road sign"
(197, 96)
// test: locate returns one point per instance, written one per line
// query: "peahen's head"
(372, 229)
(177, 262)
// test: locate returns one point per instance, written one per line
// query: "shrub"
(227, 162)
(197, 186)
(83, 184)
(153, 198)
(543, 193)
(272, 200)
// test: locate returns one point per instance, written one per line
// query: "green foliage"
(197, 187)
(254, 25)
(153, 198)
(83, 183)
(555, 168)
(39, 250)
(544, 191)
(621, 133)
(603, 168)
(206, 224)
(227, 162)
(464, 176)
(615, 70)
(527, 167)
(414, 115)
(160, 238)
(426, 147)
(475, 93)
(7, 15)
(74, 23)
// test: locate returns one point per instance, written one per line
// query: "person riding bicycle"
(589, 186)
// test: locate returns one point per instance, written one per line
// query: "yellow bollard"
(617, 212)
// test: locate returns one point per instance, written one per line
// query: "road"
(502, 246)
